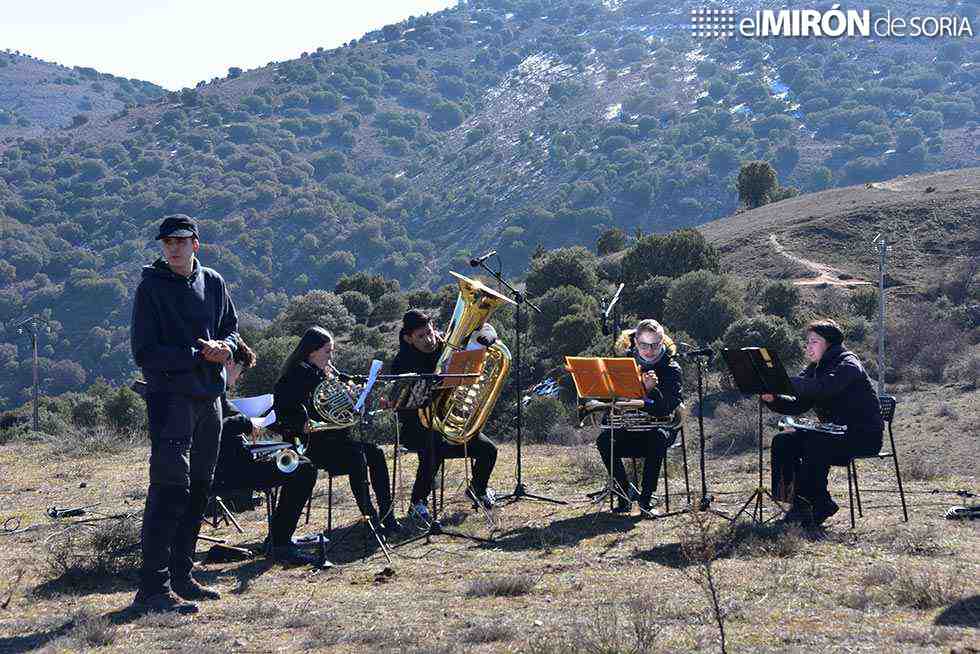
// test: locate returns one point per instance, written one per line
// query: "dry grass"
(555, 579)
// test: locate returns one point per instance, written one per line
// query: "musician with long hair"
(654, 353)
(835, 385)
(419, 349)
(237, 470)
(331, 450)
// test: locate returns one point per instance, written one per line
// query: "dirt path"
(825, 274)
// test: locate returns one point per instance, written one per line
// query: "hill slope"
(37, 97)
(930, 218)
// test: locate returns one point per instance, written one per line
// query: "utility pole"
(30, 324)
(881, 246)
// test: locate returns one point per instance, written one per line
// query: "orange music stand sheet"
(465, 362)
(606, 378)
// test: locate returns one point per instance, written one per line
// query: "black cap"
(177, 226)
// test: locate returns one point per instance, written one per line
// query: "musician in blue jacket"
(654, 353)
(835, 385)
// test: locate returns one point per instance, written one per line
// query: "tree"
(787, 156)
(574, 266)
(702, 304)
(907, 138)
(780, 299)
(573, 334)
(821, 178)
(766, 331)
(389, 307)
(611, 240)
(446, 115)
(722, 159)
(317, 307)
(647, 300)
(374, 286)
(358, 304)
(671, 255)
(756, 181)
(555, 305)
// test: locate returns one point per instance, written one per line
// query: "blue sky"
(177, 43)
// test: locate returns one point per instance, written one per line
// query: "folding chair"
(888, 415)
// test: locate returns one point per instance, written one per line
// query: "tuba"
(459, 413)
(333, 405)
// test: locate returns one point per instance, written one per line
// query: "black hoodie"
(839, 391)
(170, 313)
(411, 359)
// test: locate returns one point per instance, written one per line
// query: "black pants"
(295, 489)
(339, 455)
(801, 462)
(651, 446)
(480, 449)
(184, 437)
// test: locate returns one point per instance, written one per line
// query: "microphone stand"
(520, 490)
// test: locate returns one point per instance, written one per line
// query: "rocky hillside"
(38, 97)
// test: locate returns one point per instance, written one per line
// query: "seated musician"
(654, 353)
(333, 450)
(836, 386)
(237, 471)
(419, 349)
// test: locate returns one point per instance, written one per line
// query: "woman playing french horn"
(654, 353)
(332, 450)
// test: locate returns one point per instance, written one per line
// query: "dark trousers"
(295, 489)
(801, 462)
(340, 455)
(651, 446)
(480, 449)
(184, 437)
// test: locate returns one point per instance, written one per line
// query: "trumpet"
(286, 456)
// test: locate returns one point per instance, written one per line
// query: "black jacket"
(667, 394)
(234, 456)
(839, 390)
(293, 392)
(170, 313)
(411, 359)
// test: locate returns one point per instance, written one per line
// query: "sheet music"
(264, 421)
(253, 406)
(372, 377)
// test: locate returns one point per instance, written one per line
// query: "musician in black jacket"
(333, 450)
(654, 353)
(236, 470)
(837, 387)
(420, 347)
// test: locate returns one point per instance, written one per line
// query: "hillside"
(931, 220)
(509, 125)
(38, 97)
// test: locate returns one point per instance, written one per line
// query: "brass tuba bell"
(459, 413)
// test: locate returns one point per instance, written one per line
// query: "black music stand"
(520, 489)
(416, 392)
(757, 371)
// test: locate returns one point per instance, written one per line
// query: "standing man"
(184, 329)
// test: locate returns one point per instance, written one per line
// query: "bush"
(270, 354)
(358, 304)
(506, 586)
(671, 255)
(573, 334)
(574, 266)
(125, 409)
(389, 307)
(780, 299)
(647, 300)
(542, 415)
(864, 302)
(766, 331)
(703, 304)
(555, 305)
(317, 307)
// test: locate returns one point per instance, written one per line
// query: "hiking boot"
(623, 505)
(645, 504)
(190, 589)
(486, 498)
(420, 514)
(390, 526)
(824, 511)
(292, 555)
(165, 602)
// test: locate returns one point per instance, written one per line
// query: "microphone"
(480, 259)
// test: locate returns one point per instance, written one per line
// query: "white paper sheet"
(253, 407)
(264, 421)
(372, 377)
